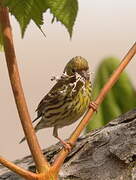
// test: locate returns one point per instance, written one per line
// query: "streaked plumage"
(69, 98)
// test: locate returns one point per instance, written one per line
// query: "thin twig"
(62, 155)
(41, 164)
(22, 172)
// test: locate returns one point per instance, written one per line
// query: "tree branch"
(104, 154)
(22, 172)
(37, 154)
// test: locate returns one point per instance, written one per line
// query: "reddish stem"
(41, 163)
(22, 172)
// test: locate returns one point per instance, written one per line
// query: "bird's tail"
(36, 119)
(22, 140)
(37, 127)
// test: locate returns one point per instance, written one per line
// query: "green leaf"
(24, 11)
(27, 10)
(21, 10)
(38, 8)
(120, 99)
(64, 11)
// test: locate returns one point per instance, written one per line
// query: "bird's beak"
(86, 74)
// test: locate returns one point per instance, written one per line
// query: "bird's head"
(77, 65)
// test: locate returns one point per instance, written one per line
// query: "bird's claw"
(67, 145)
(94, 106)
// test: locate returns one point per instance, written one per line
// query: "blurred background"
(102, 29)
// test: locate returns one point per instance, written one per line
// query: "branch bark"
(107, 153)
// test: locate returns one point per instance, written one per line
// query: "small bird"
(68, 100)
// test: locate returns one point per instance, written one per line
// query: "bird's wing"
(59, 91)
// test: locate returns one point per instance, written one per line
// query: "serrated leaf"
(24, 11)
(38, 8)
(27, 10)
(64, 11)
(120, 99)
(21, 10)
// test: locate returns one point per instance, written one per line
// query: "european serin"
(68, 100)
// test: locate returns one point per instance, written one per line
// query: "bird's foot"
(94, 106)
(67, 145)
